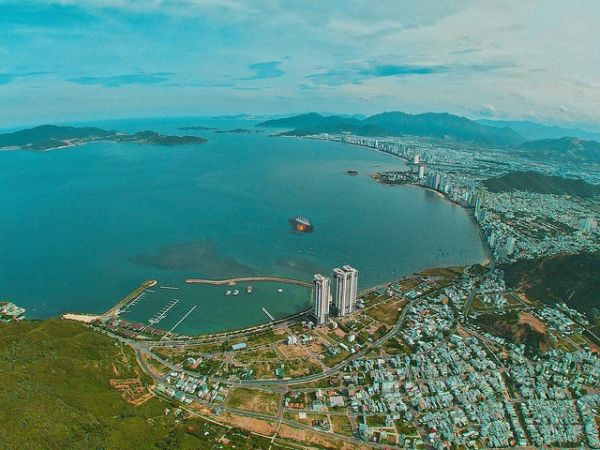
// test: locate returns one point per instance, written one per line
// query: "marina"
(163, 312)
(208, 308)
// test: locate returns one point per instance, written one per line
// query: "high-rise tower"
(346, 289)
(321, 296)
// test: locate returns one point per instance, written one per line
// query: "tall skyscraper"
(321, 296)
(353, 292)
(416, 158)
(421, 171)
(346, 288)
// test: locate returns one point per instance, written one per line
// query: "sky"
(71, 60)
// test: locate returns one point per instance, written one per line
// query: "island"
(197, 128)
(239, 131)
(51, 137)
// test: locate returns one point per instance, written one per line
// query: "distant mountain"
(534, 131)
(530, 181)
(310, 121)
(47, 137)
(572, 279)
(566, 148)
(436, 125)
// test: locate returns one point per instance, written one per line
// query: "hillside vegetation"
(55, 393)
(573, 279)
(537, 182)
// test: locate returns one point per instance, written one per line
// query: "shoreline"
(489, 257)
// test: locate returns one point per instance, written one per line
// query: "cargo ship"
(301, 224)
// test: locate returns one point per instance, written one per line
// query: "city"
(309, 225)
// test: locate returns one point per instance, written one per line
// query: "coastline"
(114, 311)
(489, 258)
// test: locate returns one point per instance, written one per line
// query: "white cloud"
(505, 58)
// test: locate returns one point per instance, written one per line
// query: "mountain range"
(534, 131)
(436, 125)
(448, 126)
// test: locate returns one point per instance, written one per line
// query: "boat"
(236, 292)
(227, 292)
(249, 289)
(280, 290)
(301, 224)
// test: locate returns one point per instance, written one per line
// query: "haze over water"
(84, 226)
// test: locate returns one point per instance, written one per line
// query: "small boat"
(236, 292)
(279, 290)
(227, 292)
(249, 289)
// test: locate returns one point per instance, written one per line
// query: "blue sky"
(71, 60)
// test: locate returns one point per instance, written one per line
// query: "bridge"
(233, 281)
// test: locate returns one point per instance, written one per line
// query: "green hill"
(573, 279)
(566, 148)
(47, 136)
(55, 393)
(436, 125)
(530, 181)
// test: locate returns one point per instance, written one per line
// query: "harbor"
(203, 306)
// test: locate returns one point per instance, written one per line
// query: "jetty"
(233, 281)
(268, 314)
(114, 311)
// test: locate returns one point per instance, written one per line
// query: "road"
(145, 346)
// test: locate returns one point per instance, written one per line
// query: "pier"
(114, 311)
(268, 314)
(133, 303)
(233, 281)
(182, 319)
(163, 312)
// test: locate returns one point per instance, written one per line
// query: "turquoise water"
(82, 227)
(211, 310)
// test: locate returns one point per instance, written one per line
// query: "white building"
(421, 171)
(321, 297)
(510, 245)
(346, 289)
